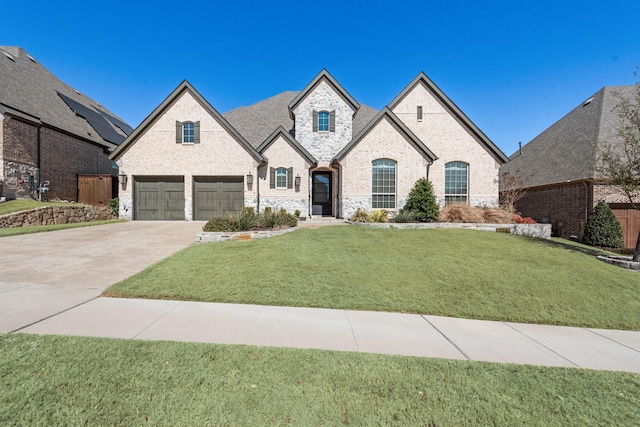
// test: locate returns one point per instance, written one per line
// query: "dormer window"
(324, 121)
(187, 132)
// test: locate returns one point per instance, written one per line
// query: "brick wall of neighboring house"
(62, 158)
(565, 207)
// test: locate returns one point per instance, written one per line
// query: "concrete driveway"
(44, 274)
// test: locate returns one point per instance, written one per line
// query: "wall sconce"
(122, 179)
(297, 182)
(249, 180)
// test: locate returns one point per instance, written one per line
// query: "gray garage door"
(159, 198)
(221, 196)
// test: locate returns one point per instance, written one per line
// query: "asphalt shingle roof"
(566, 150)
(29, 90)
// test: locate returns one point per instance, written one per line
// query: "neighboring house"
(318, 151)
(558, 168)
(49, 131)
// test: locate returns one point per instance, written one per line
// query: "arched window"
(456, 182)
(281, 178)
(188, 132)
(383, 181)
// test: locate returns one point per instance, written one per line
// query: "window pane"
(323, 121)
(188, 132)
(281, 178)
(456, 181)
(383, 184)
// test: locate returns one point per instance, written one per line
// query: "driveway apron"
(43, 274)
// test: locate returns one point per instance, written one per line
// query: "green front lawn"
(48, 380)
(459, 273)
(16, 231)
(20, 205)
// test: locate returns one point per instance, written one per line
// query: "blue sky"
(513, 67)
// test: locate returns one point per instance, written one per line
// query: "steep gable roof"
(453, 109)
(280, 131)
(566, 150)
(31, 92)
(322, 76)
(386, 113)
(183, 87)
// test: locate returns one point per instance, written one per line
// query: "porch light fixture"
(249, 179)
(298, 182)
(122, 179)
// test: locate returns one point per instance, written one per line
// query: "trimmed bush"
(380, 215)
(114, 204)
(217, 224)
(422, 200)
(603, 229)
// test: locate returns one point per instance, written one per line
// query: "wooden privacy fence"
(630, 222)
(96, 189)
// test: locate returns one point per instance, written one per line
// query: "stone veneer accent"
(323, 145)
(288, 204)
(50, 215)
(208, 237)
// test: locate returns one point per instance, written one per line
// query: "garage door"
(221, 196)
(159, 198)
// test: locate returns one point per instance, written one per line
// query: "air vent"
(587, 102)
(31, 58)
(8, 55)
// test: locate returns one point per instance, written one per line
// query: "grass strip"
(49, 380)
(16, 231)
(448, 272)
(20, 205)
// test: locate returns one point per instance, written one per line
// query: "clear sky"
(513, 67)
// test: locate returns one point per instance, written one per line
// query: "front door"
(321, 194)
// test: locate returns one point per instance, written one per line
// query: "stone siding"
(209, 237)
(288, 204)
(450, 141)
(323, 145)
(50, 215)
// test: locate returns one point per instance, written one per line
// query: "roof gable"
(386, 113)
(183, 87)
(453, 109)
(281, 132)
(322, 76)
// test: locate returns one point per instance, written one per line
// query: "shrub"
(361, 216)
(405, 215)
(379, 215)
(460, 212)
(217, 224)
(245, 220)
(422, 200)
(296, 213)
(270, 219)
(497, 216)
(603, 229)
(114, 204)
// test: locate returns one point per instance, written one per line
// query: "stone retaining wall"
(56, 215)
(540, 231)
(208, 236)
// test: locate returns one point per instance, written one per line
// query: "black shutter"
(272, 178)
(332, 121)
(178, 132)
(315, 121)
(290, 178)
(196, 132)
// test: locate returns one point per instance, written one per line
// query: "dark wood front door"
(321, 194)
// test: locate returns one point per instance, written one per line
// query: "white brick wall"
(450, 141)
(155, 153)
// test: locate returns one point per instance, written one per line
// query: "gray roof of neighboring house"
(566, 150)
(30, 91)
(258, 121)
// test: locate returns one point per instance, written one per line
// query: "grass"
(49, 380)
(19, 205)
(6, 232)
(459, 273)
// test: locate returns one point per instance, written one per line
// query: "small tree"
(620, 163)
(603, 229)
(422, 201)
(511, 190)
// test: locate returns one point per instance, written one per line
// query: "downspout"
(38, 159)
(587, 209)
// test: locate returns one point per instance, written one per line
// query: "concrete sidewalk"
(346, 330)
